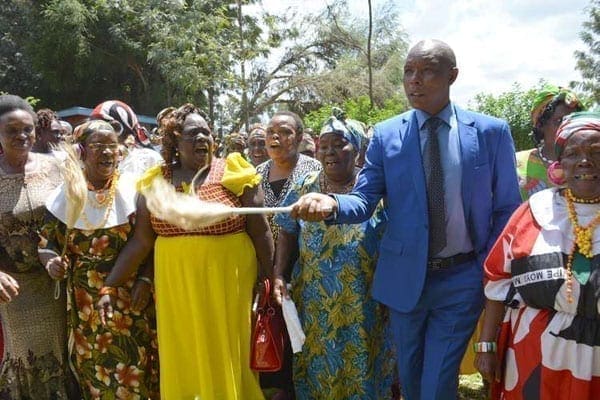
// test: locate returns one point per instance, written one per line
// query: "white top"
(121, 208)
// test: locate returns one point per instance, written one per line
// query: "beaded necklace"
(541, 155)
(102, 196)
(105, 202)
(326, 186)
(582, 241)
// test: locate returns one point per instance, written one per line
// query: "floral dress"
(549, 347)
(34, 362)
(119, 360)
(348, 353)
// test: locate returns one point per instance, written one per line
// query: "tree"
(588, 63)
(514, 106)
(16, 73)
(358, 108)
(345, 43)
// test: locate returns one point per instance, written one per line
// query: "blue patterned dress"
(348, 352)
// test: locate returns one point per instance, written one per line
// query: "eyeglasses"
(100, 147)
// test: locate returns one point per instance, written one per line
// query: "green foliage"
(359, 109)
(513, 106)
(155, 53)
(16, 73)
(588, 62)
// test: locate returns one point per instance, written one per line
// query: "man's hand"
(314, 207)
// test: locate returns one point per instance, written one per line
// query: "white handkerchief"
(292, 322)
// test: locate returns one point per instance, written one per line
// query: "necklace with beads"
(582, 236)
(541, 155)
(105, 195)
(326, 186)
(105, 202)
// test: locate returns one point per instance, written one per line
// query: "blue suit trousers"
(432, 338)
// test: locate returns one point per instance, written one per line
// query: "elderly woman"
(549, 107)
(139, 155)
(257, 151)
(34, 323)
(544, 269)
(203, 278)
(48, 131)
(119, 358)
(348, 350)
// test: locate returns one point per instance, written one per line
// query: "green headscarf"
(547, 95)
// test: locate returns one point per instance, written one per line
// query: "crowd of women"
(93, 297)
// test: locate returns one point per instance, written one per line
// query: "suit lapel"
(469, 149)
(411, 155)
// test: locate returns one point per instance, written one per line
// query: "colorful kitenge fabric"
(549, 347)
(34, 364)
(575, 122)
(304, 166)
(119, 359)
(532, 173)
(547, 95)
(115, 110)
(348, 353)
(352, 132)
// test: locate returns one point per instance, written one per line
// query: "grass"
(470, 387)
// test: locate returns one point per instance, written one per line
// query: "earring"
(555, 173)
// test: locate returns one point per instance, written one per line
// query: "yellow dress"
(204, 281)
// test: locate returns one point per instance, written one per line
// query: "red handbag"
(266, 354)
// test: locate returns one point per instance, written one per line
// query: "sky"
(497, 42)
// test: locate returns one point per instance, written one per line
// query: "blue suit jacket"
(394, 169)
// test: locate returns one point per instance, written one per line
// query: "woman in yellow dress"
(203, 278)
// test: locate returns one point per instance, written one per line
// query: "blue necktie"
(434, 174)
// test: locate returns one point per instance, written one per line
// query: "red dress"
(549, 348)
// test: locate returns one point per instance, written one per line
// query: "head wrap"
(575, 122)
(115, 110)
(307, 144)
(257, 131)
(351, 130)
(81, 132)
(547, 95)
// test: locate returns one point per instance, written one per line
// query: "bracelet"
(108, 290)
(145, 279)
(484, 347)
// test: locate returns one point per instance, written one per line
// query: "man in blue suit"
(440, 229)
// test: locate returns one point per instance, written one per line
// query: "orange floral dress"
(119, 360)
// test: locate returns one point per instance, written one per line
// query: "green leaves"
(514, 106)
(588, 62)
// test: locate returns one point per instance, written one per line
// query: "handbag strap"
(265, 301)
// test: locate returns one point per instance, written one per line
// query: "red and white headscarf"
(575, 122)
(115, 110)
